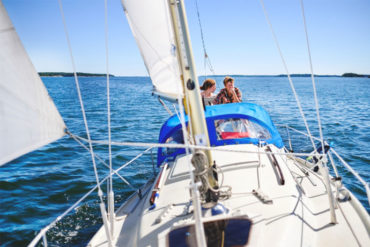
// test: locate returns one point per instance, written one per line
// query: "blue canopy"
(171, 130)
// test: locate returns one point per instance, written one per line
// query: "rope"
(288, 74)
(223, 190)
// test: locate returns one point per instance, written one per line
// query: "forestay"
(28, 116)
(156, 40)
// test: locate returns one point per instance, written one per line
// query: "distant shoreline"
(305, 75)
(69, 74)
(82, 74)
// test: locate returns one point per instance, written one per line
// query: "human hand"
(231, 90)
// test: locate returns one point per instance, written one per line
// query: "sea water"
(38, 187)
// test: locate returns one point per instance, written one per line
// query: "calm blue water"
(38, 187)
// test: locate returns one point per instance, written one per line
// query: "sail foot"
(204, 173)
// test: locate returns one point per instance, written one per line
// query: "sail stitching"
(9, 29)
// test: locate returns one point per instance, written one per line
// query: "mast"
(193, 102)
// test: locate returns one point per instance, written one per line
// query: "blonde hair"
(208, 83)
(227, 79)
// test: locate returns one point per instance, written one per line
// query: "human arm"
(237, 95)
(234, 95)
(220, 98)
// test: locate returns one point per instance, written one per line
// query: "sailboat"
(225, 177)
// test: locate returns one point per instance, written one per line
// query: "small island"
(343, 75)
(69, 74)
(306, 75)
(354, 75)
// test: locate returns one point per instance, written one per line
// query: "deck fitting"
(261, 196)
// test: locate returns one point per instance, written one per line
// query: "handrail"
(298, 131)
(45, 229)
(346, 165)
(171, 145)
(42, 233)
(276, 165)
(100, 159)
(366, 185)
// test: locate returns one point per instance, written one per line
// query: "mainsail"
(155, 38)
(28, 116)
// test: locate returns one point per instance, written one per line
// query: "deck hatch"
(221, 232)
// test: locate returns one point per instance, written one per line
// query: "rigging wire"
(100, 193)
(101, 160)
(288, 74)
(207, 60)
(110, 184)
(312, 77)
(165, 106)
(331, 199)
(74, 206)
(184, 146)
(326, 172)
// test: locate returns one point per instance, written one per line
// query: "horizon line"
(218, 75)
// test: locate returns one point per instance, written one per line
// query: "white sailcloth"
(151, 26)
(28, 116)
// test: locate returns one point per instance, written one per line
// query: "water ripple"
(38, 187)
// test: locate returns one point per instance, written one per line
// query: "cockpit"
(227, 124)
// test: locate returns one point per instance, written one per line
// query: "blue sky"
(237, 37)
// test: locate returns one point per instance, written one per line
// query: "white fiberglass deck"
(299, 214)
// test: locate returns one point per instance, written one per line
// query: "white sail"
(156, 41)
(28, 116)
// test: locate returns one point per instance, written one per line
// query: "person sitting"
(208, 88)
(229, 94)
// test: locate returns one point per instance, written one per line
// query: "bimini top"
(228, 124)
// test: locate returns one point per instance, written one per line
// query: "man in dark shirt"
(229, 94)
